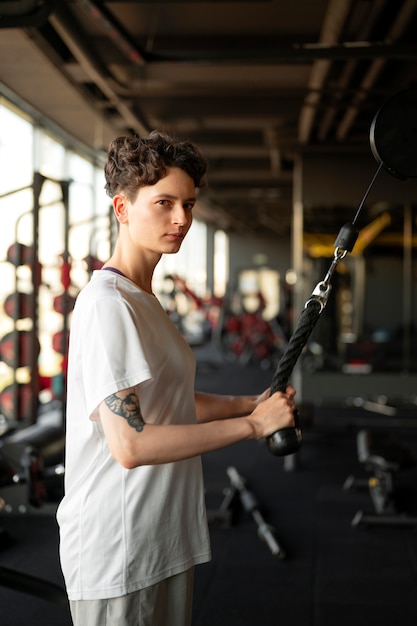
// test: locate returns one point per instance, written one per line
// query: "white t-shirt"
(123, 530)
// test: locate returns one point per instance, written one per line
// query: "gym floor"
(333, 573)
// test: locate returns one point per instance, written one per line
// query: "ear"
(120, 208)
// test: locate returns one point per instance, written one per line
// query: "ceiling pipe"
(18, 7)
(25, 13)
(71, 33)
(271, 138)
(334, 21)
(403, 18)
(297, 53)
(345, 78)
(262, 51)
(278, 55)
(112, 29)
(142, 61)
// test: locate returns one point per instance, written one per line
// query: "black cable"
(367, 193)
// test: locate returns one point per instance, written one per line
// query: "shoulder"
(102, 287)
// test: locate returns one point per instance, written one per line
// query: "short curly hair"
(134, 162)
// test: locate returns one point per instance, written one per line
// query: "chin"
(173, 248)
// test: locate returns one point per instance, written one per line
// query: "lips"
(176, 236)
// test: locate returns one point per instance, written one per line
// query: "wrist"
(245, 405)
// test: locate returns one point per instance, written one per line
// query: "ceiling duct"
(25, 13)
(76, 41)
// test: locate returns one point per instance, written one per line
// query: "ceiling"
(254, 83)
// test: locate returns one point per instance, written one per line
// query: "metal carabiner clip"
(319, 294)
(322, 289)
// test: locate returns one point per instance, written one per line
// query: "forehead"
(175, 183)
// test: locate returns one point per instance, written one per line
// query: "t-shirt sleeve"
(112, 353)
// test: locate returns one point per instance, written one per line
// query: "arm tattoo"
(128, 408)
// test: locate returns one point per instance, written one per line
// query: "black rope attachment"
(305, 325)
(288, 440)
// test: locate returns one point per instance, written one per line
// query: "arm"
(212, 407)
(133, 442)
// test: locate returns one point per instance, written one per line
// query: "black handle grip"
(288, 440)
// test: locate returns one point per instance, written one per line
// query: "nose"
(180, 216)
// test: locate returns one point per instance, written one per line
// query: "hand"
(290, 392)
(263, 396)
(273, 413)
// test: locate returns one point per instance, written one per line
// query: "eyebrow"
(171, 197)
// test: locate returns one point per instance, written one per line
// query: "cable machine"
(393, 144)
(393, 141)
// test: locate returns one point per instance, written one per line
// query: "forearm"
(158, 444)
(133, 442)
(211, 407)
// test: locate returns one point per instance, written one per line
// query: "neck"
(135, 273)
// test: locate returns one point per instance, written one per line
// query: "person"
(132, 520)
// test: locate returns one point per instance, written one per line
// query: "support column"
(210, 231)
(407, 286)
(291, 461)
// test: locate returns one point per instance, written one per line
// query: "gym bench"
(30, 459)
(384, 457)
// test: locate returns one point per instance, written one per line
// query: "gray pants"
(168, 603)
